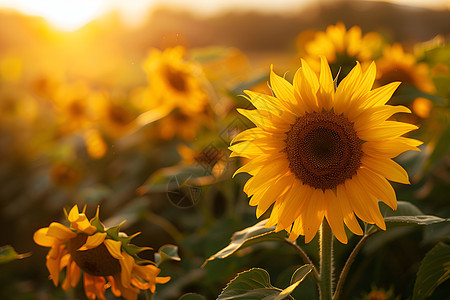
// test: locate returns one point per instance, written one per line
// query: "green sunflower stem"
(326, 261)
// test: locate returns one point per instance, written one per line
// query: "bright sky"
(70, 15)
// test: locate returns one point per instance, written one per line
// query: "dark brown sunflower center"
(323, 149)
(97, 261)
(176, 79)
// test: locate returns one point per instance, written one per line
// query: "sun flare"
(63, 15)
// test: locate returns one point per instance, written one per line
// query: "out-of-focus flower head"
(73, 107)
(103, 256)
(114, 114)
(175, 92)
(397, 65)
(340, 47)
(174, 81)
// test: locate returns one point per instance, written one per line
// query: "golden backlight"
(63, 15)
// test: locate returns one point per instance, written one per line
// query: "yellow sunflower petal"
(283, 90)
(268, 121)
(313, 214)
(378, 186)
(334, 216)
(266, 102)
(386, 130)
(368, 200)
(41, 238)
(74, 214)
(60, 232)
(278, 189)
(294, 204)
(345, 90)
(356, 197)
(347, 211)
(389, 148)
(126, 265)
(325, 95)
(387, 168)
(381, 95)
(53, 268)
(306, 87)
(377, 115)
(93, 241)
(114, 248)
(250, 134)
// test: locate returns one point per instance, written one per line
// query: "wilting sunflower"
(175, 81)
(340, 47)
(396, 64)
(105, 256)
(319, 152)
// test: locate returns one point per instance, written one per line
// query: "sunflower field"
(241, 155)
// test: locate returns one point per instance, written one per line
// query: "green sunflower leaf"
(192, 296)
(415, 220)
(167, 252)
(257, 233)
(406, 214)
(434, 270)
(255, 284)
(7, 254)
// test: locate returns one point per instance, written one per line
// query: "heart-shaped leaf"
(255, 234)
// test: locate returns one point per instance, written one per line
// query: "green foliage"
(167, 252)
(7, 254)
(192, 296)
(252, 235)
(434, 270)
(406, 214)
(255, 284)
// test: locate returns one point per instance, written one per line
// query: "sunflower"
(396, 64)
(104, 255)
(340, 47)
(174, 81)
(322, 153)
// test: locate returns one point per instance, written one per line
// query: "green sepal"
(113, 232)
(133, 249)
(97, 223)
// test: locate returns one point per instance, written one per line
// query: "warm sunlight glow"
(64, 15)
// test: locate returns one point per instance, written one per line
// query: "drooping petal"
(93, 241)
(347, 211)
(313, 214)
(41, 238)
(334, 216)
(60, 232)
(378, 186)
(114, 248)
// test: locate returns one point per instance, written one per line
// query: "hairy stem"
(326, 261)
